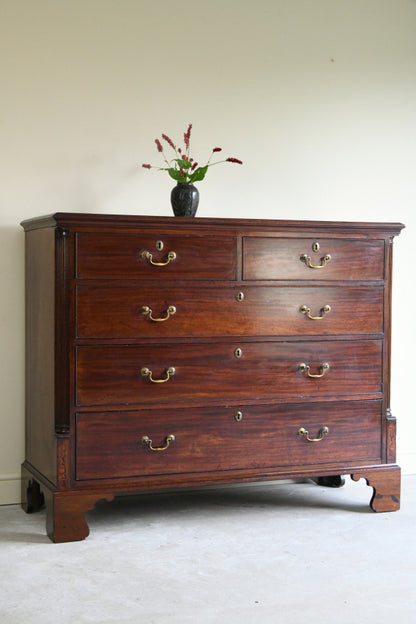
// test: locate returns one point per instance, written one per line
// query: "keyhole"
(316, 246)
(238, 416)
(159, 245)
(238, 353)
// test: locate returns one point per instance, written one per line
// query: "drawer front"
(184, 373)
(128, 311)
(109, 445)
(279, 258)
(132, 255)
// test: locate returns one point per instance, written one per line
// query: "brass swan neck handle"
(307, 260)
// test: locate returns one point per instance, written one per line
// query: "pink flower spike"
(194, 166)
(187, 135)
(147, 166)
(217, 149)
(235, 160)
(159, 145)
(168, 140)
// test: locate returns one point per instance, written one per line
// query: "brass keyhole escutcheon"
(238, 416)
(238, 353)
(159, 245)
(316, 246)
(240, 296)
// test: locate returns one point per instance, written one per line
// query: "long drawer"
(119, 444)
(150, 255)
(131, 311)
(162, 374)
(312, 259)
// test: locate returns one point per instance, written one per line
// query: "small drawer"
(124, 375)
(312, 259)
(170, 441)
(154, 255)
(124, 311)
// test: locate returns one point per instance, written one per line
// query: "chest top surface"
(284, 227)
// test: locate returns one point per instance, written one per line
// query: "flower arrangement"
(183, 168)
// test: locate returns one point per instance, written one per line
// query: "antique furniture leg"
(65, 514)
(386, 484)
(32, 498)
(334, 481)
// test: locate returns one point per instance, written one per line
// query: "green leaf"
(198, 174)
(185, 164)
(176, 175)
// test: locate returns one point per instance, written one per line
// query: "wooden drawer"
(122, 256)
(282, 258)
(124, 311)
(112, 375)
(109, 444)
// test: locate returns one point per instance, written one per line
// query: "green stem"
(215, 163)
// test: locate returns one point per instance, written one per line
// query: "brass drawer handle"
(148, 442)
(146, 255)
(307, 312)
(322, 433)
(146, 372)
(307, 260)
(146, 311)
(305, 368)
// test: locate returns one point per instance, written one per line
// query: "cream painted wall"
(317, 97)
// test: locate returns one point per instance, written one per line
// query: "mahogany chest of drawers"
(172, 352)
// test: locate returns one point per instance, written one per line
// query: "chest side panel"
(40, 351)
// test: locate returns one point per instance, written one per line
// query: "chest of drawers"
(169, 352)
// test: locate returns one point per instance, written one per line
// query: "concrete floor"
(289, 553)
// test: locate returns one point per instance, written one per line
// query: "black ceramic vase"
(184, 199)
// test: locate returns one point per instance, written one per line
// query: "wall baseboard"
(407, 461)
(10, 493)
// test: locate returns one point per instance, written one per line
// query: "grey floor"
(289, 553)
